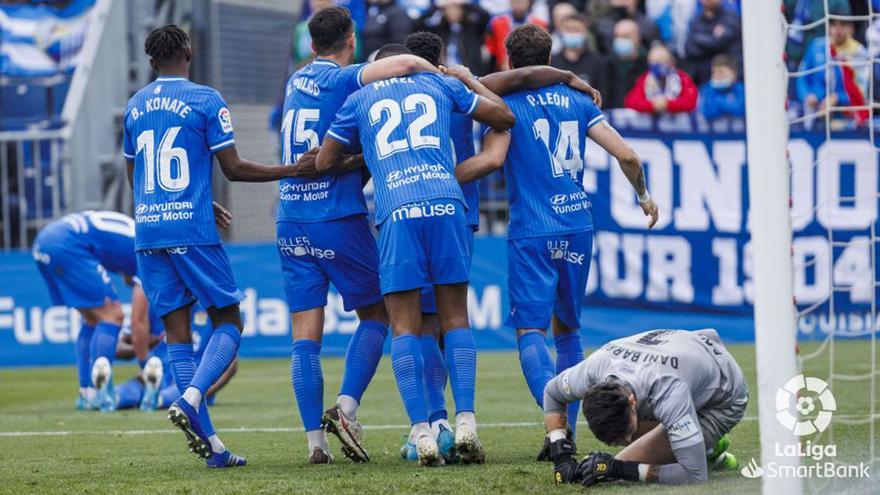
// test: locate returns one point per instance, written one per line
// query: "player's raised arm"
(237, 169)
(490, 159)
(506, 82)
(605, 136)
(491, 109)
(396, 66)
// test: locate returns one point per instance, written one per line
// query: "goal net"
(817, 358)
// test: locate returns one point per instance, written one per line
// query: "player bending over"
(323, 235)
(172, 129)
(494, 151)
(550, 238)
(669, 396)
(75, 255)
(403, 127)
(153, 387)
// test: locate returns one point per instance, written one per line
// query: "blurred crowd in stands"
(652, 56)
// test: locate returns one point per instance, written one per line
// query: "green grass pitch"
(136, 452)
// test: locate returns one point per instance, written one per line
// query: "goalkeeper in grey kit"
(668, 396)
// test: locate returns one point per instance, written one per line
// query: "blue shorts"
(340, 251)
(548, 276)
(429, 300)
(176, 277)
(424, 244)
(74, 276)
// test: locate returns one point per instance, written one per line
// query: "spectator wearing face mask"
(628, 61)
(386, 23)
(560, 12)
(715, 31)
(619, 10)
(576, 55)
(462, 27)
(849, 80)
(501, 25)
(723, 95)
(663, 88)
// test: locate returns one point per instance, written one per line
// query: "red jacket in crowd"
(680, 93)
(499, 27)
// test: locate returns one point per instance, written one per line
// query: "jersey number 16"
(167, 156)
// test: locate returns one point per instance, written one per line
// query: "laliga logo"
(141, 209)
(807, 394)
(752, 469)
(393, 176)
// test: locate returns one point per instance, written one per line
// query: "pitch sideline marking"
(173, 431)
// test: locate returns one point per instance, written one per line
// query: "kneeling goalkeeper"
(668, 396)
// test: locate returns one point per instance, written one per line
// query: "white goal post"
(769, 192)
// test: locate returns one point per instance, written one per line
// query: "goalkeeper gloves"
(601, 466)
(565, 468)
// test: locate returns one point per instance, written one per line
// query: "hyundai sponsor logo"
(141, 209)
(559, 199)
(393, 176)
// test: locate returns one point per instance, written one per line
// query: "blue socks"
(104, 341)
(461, 358)
(218, 355)
(569, 352)
(183, 366)
(362, 358)
(83, 361)
(435, 377)
(537, 366)
(409, 371)
(308, 381)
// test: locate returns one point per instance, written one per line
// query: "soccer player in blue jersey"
(173, 128)
(75, 255)
(153, 387)
(430, 47)
(550, 234)
(403, 125)
(323, 235)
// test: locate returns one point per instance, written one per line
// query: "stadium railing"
(46, 172)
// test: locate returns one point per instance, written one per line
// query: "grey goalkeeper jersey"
(674, 374)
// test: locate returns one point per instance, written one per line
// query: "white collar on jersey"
(324, 61)
(166, 78)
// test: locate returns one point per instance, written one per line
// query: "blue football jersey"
(463, 147)
(404, 127)
(108, 234)
(545, 163)
(313, 96)
(172, 129)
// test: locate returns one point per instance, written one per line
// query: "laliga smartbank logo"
(805, 405)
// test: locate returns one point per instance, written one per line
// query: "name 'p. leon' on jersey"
(544, 170)
(313, 95)
(403, 126)
(172, 129)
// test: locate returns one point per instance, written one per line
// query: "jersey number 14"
(167, 156)
(566, 155)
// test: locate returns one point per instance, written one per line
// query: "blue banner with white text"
(691, 271)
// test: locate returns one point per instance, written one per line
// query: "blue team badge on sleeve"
(225, 120)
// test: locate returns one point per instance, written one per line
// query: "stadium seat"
(24, 104)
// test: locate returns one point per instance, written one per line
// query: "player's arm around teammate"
(509, 81)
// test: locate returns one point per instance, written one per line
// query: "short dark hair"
(427, 45)
(166, 43)
(724, 60)
(330, 29)
(606, 408)
(390, 50)
(528, 45)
